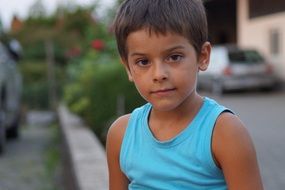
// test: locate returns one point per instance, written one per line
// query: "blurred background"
(63, 52)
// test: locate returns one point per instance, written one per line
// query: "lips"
(163, 92)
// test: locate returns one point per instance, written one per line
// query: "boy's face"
(164, 68)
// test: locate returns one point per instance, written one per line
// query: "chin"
(165, 106)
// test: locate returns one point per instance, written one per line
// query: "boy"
(178, 140)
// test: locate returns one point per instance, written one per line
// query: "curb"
(86, 157)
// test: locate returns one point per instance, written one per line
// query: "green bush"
(95, 92)
(35, 95)
(35, 84)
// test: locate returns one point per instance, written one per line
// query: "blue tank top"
(184, 162)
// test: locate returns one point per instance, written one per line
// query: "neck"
(184, 112)
(166, 125)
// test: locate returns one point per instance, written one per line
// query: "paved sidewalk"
(87, 156)
(22, 167)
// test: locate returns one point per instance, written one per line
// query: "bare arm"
(234, 152)
(117, 180)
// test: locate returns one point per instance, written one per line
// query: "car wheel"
(13, 130)
(267, 89)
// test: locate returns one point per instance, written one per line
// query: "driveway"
(264, 116)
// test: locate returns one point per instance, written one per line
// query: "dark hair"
(184, 17)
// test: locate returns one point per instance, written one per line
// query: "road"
(264, 116)
(23, 166)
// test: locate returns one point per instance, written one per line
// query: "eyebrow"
(167, 50)
(174, 48)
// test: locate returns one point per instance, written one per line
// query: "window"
(265, 7)
(274, 42)
(245, 57)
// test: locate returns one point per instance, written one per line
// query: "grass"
(53, 159)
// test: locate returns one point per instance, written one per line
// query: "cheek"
(142, 88)
(188, 71)
(186, 77)
(140, 83)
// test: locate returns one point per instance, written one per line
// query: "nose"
(160, 72)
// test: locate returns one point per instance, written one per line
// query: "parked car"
(10, 92)
(233, 68)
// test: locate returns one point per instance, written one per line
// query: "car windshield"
(245, 56)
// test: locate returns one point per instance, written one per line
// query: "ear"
(204, 57)
(126, 65)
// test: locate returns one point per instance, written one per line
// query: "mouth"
(163, 92)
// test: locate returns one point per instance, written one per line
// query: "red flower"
(73, 52)
(98, 44)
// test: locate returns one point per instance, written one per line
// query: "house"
(16, 24)
(256, 24)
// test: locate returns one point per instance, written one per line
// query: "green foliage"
(47, 22)
(53, 165)
(35, 83)
(71, 33)
(78, 21)
(35, 96)
(95, 80)
(35, 87)
(94, 93)
(66, 29)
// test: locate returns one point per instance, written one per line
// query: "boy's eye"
(142, 62)
(174, 58)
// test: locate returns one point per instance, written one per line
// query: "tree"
(1, 28)
(38, 9)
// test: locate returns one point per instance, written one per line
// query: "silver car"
(233, 68)
(10, 94)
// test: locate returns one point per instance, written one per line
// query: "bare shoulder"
(230, 128)
(117, 130)
(117, 179)
(230, 137)
(234, 152)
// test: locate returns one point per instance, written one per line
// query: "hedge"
(100, 93)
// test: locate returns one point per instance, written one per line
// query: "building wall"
(222, 21)
(257, 33)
